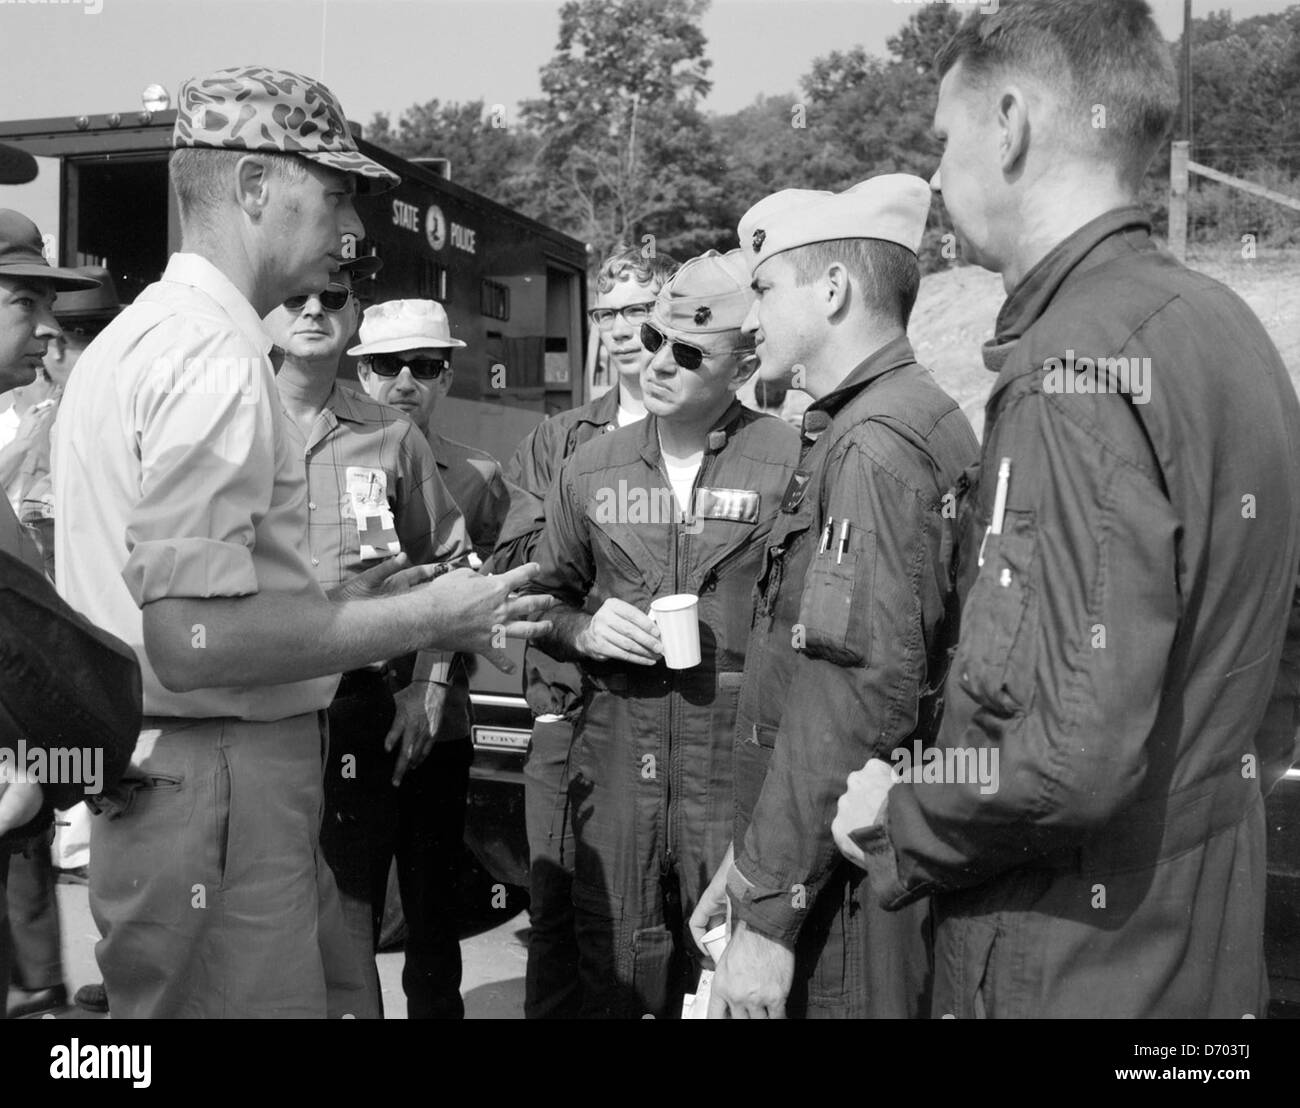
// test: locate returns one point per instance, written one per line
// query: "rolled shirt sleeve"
(207, 469)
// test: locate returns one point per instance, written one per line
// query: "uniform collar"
(343, 403)
(893, 355)
(604, 410)
(718, 435)
(197, 272)
(1091, 245)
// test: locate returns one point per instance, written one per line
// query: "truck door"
(118, 211)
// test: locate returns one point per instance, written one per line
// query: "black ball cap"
(17, 167)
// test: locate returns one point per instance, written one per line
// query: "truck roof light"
(155, 98)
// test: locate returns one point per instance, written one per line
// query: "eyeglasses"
(684, 354)
(423, 368)
(333, 298)
(632, 313)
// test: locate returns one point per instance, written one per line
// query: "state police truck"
(514, 291)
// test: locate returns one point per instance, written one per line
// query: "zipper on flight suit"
(681, 550)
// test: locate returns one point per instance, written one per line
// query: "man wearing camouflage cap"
(856, 603)
(183, 529)
(680, 503)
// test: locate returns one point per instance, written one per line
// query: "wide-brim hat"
(361, 268)
(21, 254)
(17, 167)
(253, 107)
(403, 325)
(94, 305)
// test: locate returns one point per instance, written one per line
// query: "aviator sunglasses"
(334, 298)
(684, 354)
(422, 368)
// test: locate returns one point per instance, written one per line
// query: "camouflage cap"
(251, 107)
(707, 296)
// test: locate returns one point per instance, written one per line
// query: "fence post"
(1178, 159)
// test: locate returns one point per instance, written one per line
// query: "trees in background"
(619, 148)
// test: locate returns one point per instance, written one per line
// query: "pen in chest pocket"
(826, 535)
(844, 542)
(999, 504)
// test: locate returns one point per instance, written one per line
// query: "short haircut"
(200, 175)
(1096, 52)
(630, 263)
(888, 275)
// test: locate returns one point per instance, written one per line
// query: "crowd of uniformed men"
(976, 729)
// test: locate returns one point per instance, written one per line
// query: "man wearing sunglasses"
(627, 283)
(681, 503)
(368, 470)
(856, 606)
(405, 361)
(405, 353)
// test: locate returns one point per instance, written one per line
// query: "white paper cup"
(678, 618)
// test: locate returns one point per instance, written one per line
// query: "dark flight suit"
(1119, 652)
(651, 768)
(551, 986)
(845, 658)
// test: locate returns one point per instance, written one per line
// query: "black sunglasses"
(684, 354)
(334, 298)
(422, 368)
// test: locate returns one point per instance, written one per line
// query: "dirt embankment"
(956, 310)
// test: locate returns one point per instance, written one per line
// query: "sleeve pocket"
(995, 658)
(836, 603)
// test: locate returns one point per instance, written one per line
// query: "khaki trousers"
(209, 888)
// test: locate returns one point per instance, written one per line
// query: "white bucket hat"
(403, 325)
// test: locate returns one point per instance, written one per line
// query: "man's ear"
(252, 184)
(443, 383)
(1013, 128)
(363, 375)
(746, 366)
(835, 288)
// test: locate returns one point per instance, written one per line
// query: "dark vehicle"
(514, 291)
(1282, 915)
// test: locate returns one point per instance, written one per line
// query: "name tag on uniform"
(739, 505)
(368, 493)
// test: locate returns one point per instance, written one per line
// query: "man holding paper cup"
(665, 522)
(856, 605)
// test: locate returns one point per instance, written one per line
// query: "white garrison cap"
(892, 207)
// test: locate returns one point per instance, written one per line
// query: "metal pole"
(1178, 200)
(1187, 70)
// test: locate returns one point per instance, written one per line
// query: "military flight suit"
(848, 648)
(651, 768)
(1119, 653)
(552, 688)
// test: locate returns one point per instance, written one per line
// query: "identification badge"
(795, 490)
(739, 505)
(368, 492)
